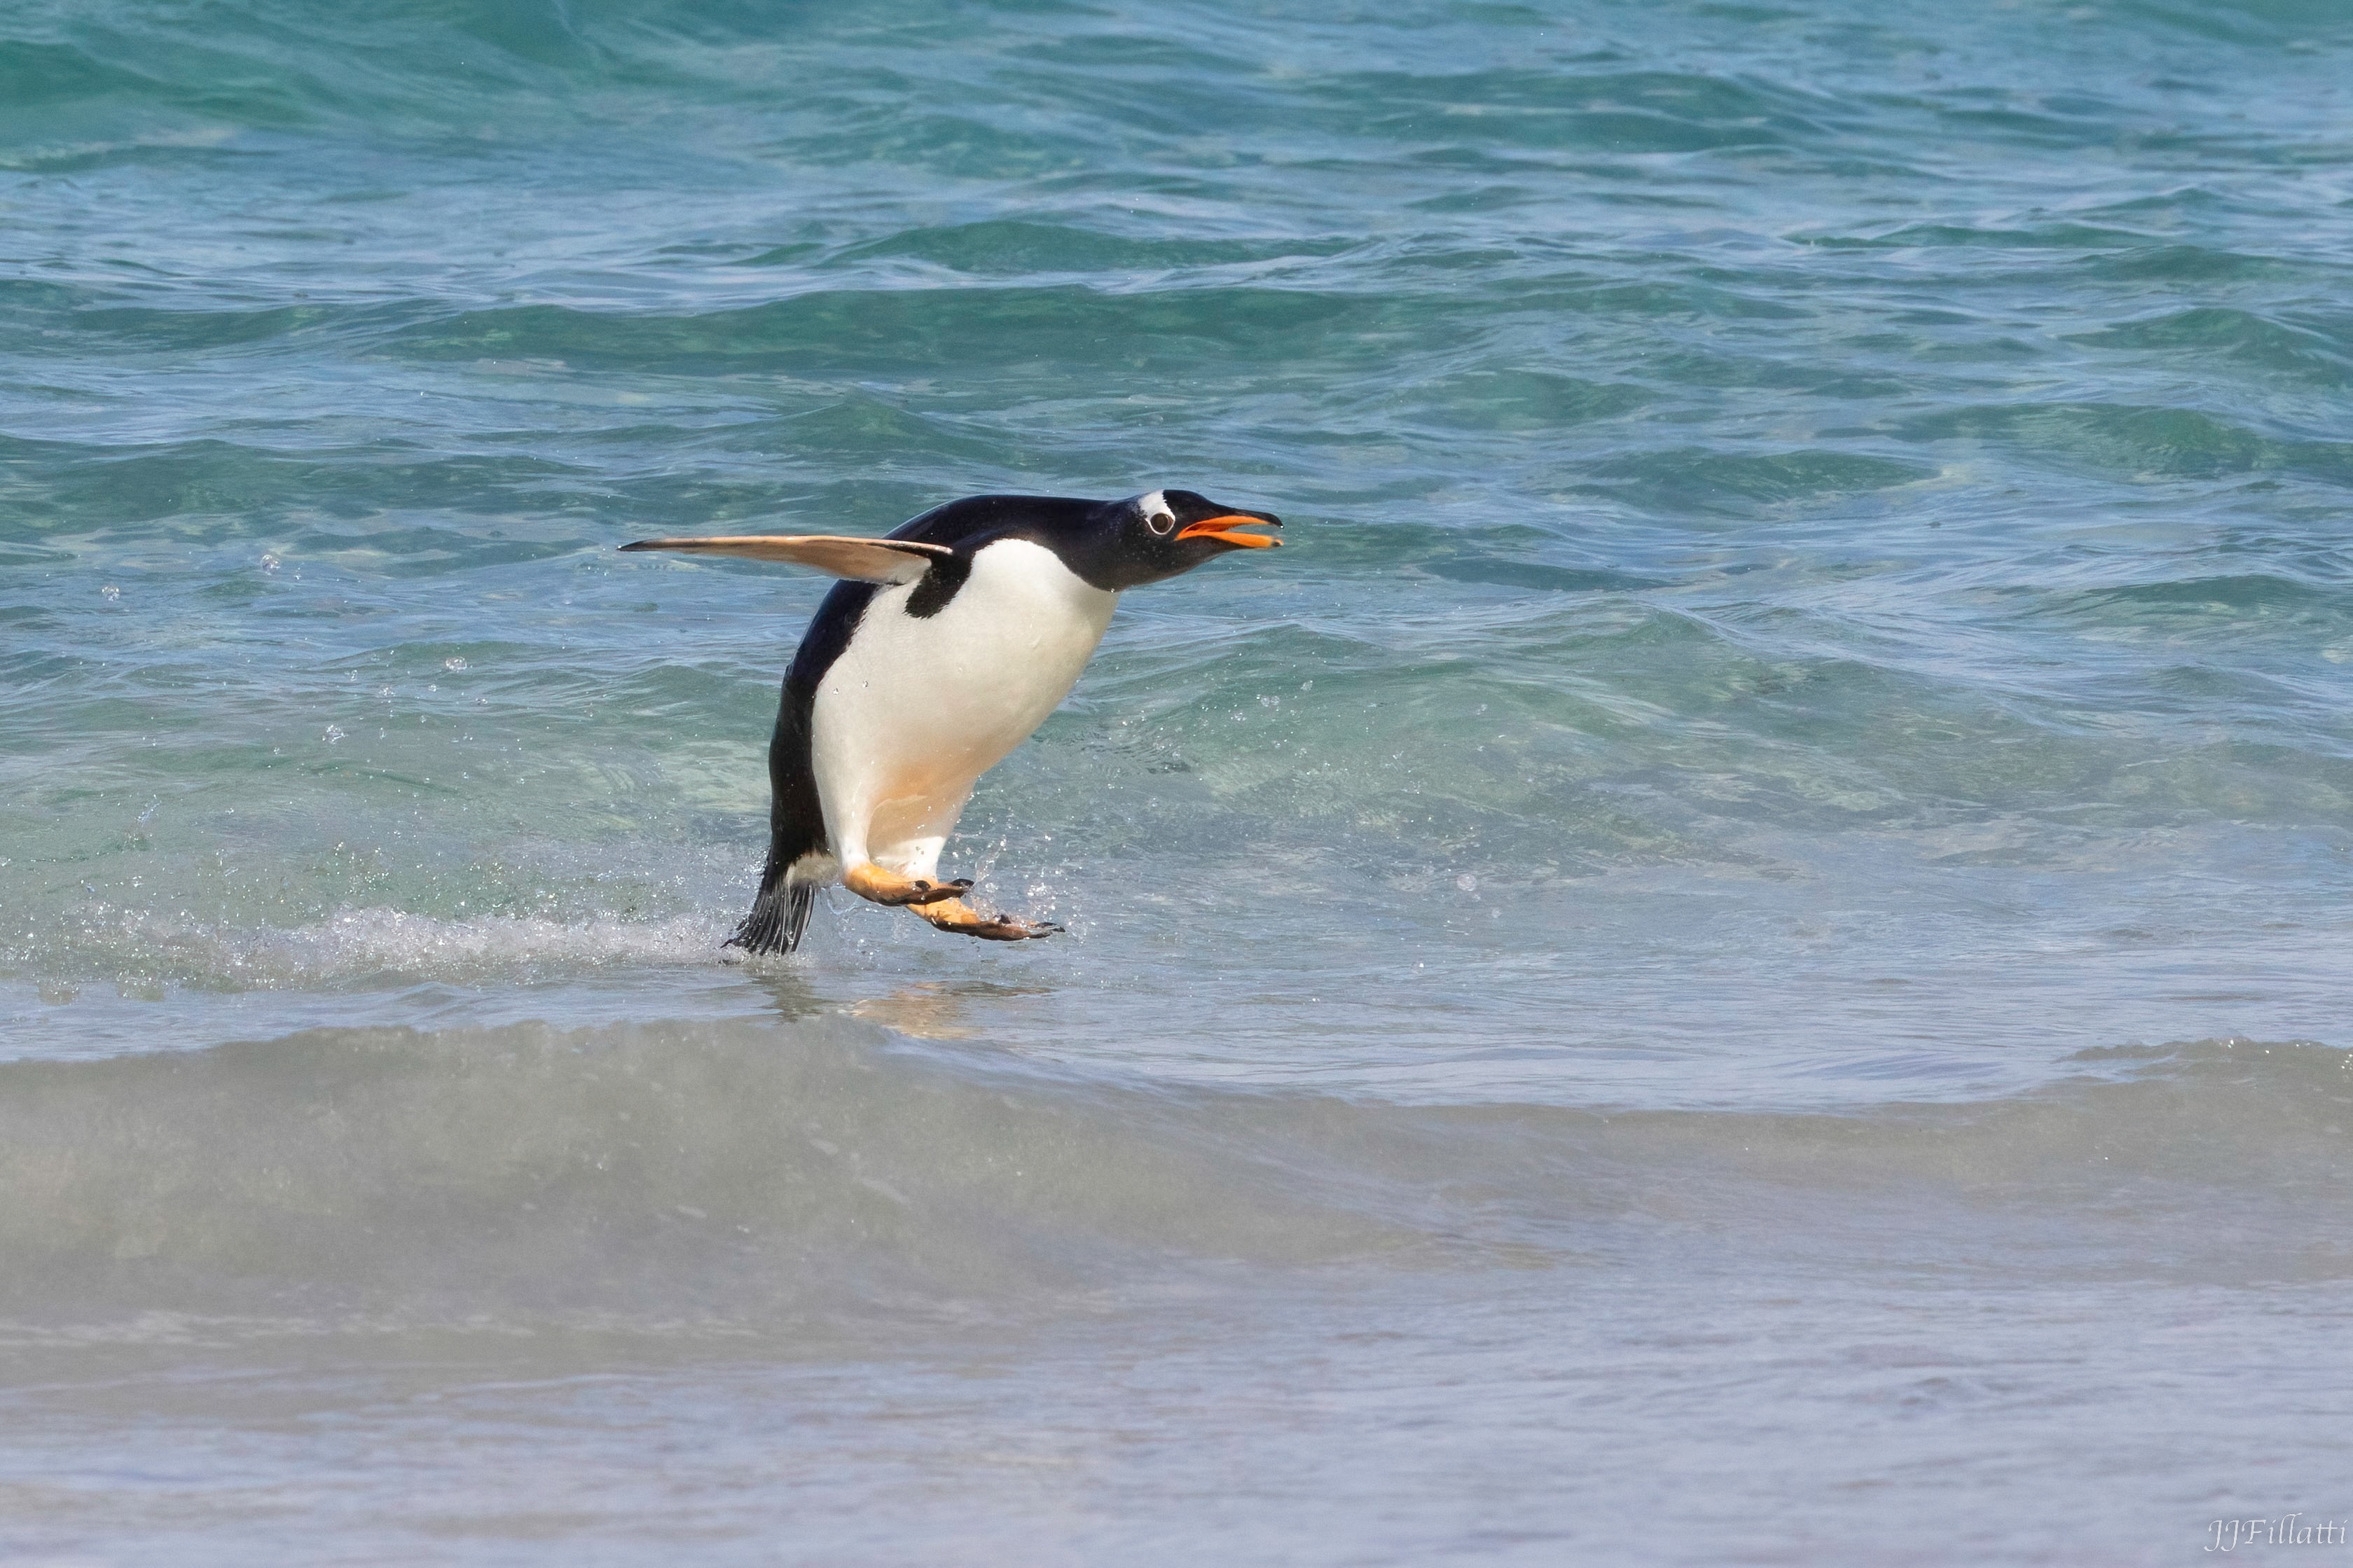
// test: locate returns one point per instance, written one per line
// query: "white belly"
(914, 711)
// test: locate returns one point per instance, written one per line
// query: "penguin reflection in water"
(940, 649)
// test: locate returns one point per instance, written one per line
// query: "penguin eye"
(1160, 522)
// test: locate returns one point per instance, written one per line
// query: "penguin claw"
(1007, 927)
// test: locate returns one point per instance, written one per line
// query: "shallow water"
(1738, 954)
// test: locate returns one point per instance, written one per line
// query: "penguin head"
(1164, 534)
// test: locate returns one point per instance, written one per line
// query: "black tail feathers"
(778, 915)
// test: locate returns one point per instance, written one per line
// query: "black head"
(1164, 534)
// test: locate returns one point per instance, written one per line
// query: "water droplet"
(334, 733)
(460, 664)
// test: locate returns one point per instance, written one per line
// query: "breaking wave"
(818, 1172)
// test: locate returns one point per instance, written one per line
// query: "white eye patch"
(1157, 513)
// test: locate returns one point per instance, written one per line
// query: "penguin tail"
(779, 915)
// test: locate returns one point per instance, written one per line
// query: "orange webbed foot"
(872, 882)
(962, 918)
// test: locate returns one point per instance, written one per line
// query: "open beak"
(1222, 529)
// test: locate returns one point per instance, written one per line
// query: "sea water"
(1738, 953)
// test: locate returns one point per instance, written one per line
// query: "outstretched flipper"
(886, 561)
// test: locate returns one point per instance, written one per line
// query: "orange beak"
(1222, 529)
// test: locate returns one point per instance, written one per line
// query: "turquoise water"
(1738, 954)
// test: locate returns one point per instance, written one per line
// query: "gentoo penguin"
(942, 647)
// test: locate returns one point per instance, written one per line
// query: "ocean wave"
(749, 1175)
(2308, 345)
(831, 330)
(2127, 441)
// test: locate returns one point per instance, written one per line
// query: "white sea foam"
(145, 949)
(372, 940)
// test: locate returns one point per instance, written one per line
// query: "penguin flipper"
(886, 561)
